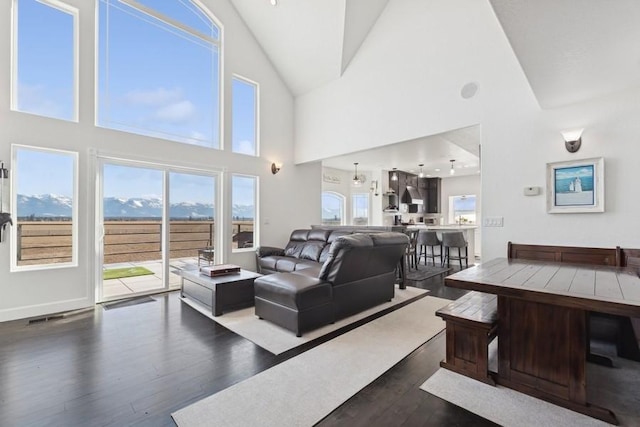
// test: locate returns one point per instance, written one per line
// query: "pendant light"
(452, 171)
(357, 179)
(394, 175)
(421, 174)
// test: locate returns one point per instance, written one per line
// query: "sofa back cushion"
(359, 256)
(334, 234)
(296, 243)
(307, 244)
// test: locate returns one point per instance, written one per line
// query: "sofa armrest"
(264, 251)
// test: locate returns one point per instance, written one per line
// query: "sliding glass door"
(132, 221)
(192, 225)
(152, 220)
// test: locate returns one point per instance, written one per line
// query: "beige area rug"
(304, 389)
(278, 340)
(502, 405)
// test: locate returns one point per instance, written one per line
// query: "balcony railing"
(49, 242)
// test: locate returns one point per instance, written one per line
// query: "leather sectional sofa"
(324, 275)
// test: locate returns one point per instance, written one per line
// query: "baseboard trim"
(38, 310)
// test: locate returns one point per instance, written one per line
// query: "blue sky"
(45, 60)
(154, 79)
(47, 173)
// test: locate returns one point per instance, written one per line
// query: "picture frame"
(575, 186)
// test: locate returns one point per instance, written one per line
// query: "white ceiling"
(574, 50)
(310, 42)
(570, 51)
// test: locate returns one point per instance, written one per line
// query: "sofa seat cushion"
(296, 291)
(286, 264)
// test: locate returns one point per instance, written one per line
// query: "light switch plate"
(493, 221)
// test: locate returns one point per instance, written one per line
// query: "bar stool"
(411, 254)
(454, 239)
(429, 240)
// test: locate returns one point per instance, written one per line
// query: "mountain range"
(56, 206)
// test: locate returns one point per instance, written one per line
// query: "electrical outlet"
(493, 221)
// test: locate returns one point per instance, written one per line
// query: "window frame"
(353, 206)
(219, 43)
(256, 112)
(14, 267)
(14, 92)
(452, 211)
(256, 222)
(343, 207)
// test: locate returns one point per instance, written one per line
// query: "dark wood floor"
(134, 365)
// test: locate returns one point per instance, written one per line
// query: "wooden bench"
(472, 323)
(568, 254)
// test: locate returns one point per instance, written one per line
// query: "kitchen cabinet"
(411, 180)
(430, 190)
(394, 185)
(408, 179)
(398, 186)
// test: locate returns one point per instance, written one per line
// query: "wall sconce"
(572, 140)
(275, 168)
(374, 188)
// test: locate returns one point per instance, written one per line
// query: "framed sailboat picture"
(575, 186)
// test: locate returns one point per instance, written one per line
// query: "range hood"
(412, 196)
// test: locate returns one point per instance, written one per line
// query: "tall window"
(159, 70)
(332, 208)
(45, 59)
(360, 209)
(44, 207)
(462, 209)
(244, 123)
(243, 210)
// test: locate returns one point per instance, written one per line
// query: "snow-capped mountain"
(54, 206)
(44, 206)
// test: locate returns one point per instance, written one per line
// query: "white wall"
(34, 293)
(405, 83)
(611, 131)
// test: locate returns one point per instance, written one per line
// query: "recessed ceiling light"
(437, 170)
(274, 2)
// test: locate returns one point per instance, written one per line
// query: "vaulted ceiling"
(569, 50)
(310, 42)
(574, 50)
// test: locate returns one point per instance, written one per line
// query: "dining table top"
(607, 289)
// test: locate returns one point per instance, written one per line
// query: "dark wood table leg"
(542, 351)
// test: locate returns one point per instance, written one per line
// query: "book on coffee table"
(220, 270)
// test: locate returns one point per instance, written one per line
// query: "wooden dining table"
(543, 322)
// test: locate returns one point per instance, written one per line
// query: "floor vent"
(46, 319)
(127, 302)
